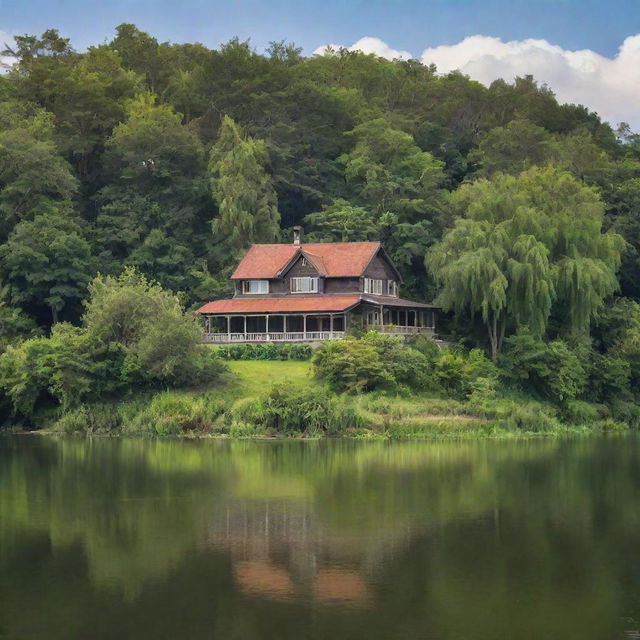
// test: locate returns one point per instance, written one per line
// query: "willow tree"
(523, 247)
(242, 188)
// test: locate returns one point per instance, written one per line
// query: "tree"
(513, 148)
(387, 171)
(242, 188)
(47, 264)
(523, 246)
(33, 175)
(342, 222)
(164, 260)
(161, 343)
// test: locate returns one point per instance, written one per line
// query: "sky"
(587, 51)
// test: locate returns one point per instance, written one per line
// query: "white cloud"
(369, 45)
(609, 86)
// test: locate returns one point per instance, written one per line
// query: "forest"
(150, 167)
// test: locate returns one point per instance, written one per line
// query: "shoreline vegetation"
(137, 366)
(236, 409)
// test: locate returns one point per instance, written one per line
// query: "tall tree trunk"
(54, 314)
(496, 331)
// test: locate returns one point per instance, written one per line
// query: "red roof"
(289, 304)
(335, 259)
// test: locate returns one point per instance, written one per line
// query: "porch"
(274, 328)
(229, 329)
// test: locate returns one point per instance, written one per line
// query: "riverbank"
(262, 399)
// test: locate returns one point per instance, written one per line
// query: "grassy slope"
(420, 415)
(254, 377)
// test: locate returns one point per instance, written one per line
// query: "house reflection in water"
(280, 551)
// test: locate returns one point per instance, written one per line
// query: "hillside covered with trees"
(519, 215)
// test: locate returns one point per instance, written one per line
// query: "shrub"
(170, 413)
(270, 351)
(67, 367)
(406, 365)
(554, 370)
(88, 419)
(580, 412)
(298, 409)
(351, 365)
(627, 412)
(528, 418)
(457, 371)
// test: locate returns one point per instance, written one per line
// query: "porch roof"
(289, 304)
(304, 304)
(391, 301)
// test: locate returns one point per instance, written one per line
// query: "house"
(305, 292)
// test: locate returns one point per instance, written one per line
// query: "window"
(373, 286)
(392, 288)
(303, 262)
(304, 285)
(255, 286)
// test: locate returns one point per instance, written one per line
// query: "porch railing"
(400, 329)
(289, 336)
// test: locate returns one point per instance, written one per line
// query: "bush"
(172, 414)
(89, 419)
(133, 333)
(579, 412)
(270, 351)
(351, 365)
(406, 365)
(627, 412)
(298, 409)
(554, 370)
(528, 418)
(457, 371)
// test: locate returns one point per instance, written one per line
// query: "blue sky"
(587, 51)
(404, 24)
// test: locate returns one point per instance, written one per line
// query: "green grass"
(254, 377)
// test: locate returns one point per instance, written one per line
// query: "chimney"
(298, 231)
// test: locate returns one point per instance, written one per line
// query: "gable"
(302, 266)
(381, 268)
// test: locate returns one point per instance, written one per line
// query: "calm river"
(485, 540)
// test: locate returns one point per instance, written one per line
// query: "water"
(104, 539)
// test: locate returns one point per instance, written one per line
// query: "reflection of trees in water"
(430, 529)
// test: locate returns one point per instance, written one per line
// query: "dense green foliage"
(517, 213)
(133, 333)
(271, 351)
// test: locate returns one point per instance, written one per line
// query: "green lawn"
(254, 377)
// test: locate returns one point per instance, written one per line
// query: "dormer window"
(392, 288)
(304, 285)
(255, 286)
(373, 286)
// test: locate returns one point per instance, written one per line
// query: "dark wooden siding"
(380, 269)
(342, 285)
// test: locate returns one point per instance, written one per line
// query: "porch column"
(228, 328)
(245, 326)
(331, 326)
(284, 324)
(266, 325)
(381, 316)
(304, 326)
